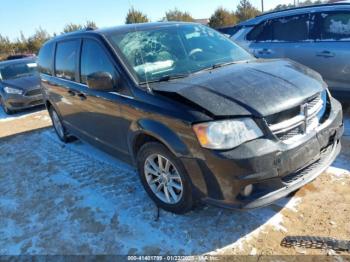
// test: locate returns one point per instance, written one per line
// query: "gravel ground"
(74, 199)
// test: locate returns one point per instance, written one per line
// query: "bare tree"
(134, 16)
(222, 17)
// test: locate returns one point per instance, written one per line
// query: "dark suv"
(200, 117)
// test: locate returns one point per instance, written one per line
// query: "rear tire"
(164, 178)
(60, 129)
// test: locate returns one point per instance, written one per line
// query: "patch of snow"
(338, 173)
(253, 252)
(293, 204)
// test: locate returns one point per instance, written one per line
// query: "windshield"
(17, 70)
(175, 50)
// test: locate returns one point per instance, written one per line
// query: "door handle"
(71, 93)
(325, 53)
(265, 51)
(82, 96)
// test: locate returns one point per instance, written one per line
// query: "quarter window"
(93, 60)
(66, 56)
(335, 26)
(45, 59)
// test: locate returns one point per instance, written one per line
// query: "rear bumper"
(19, 102)
(273, 168)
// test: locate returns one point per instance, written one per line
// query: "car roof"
(297, 10)
(18, 61)
(120, 29)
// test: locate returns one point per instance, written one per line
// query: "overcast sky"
(52, 15)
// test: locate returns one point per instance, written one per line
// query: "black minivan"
(202, 119)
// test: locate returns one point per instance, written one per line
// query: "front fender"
(160, 132)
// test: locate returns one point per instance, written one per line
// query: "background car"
(317, 36)
(19, 56)
(19, 85)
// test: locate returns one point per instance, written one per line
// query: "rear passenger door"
(284, 37)
(64, 83)
(331, 52)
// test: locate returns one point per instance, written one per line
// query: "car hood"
(259, 88)
(24, 83)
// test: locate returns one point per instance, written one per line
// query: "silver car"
(317, 36)
(19, 85)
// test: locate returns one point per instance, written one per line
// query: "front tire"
(5, 108)
(164, 178)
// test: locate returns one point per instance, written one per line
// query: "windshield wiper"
(216, 65)
(167, 78)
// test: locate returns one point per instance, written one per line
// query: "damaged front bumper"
(272, 168)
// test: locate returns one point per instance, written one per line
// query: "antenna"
(143, 61)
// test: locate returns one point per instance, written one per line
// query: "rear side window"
(290, 29)
(262, 32)
(94, 60)
(45, 59)
(66, 58)
(335, 26)
(286, 29)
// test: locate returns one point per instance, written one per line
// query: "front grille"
(36, 102)
(299, 124)
(297, 131)
(33, 92)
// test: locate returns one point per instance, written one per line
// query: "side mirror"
(100, 81)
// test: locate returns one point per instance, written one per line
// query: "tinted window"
(66, 56)
(289, 29)
(335, 26)
(94, 59)
(262, 32)
(293, 28)
(45, 59)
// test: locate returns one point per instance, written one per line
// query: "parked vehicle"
(19, 56)
(316, 36)
(201, 118)
(19, 85)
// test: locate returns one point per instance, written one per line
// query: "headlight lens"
(11, 90)
(226, 134)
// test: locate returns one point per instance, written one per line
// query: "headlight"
(226, 134)
(11, 90)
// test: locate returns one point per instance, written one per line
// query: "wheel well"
(141, 140)
(48, 104)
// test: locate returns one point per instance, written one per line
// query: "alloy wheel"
(163, 179)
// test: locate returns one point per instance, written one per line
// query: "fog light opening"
(247, 190)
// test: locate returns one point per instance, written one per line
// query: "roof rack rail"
(302, 7)
(89, 29)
